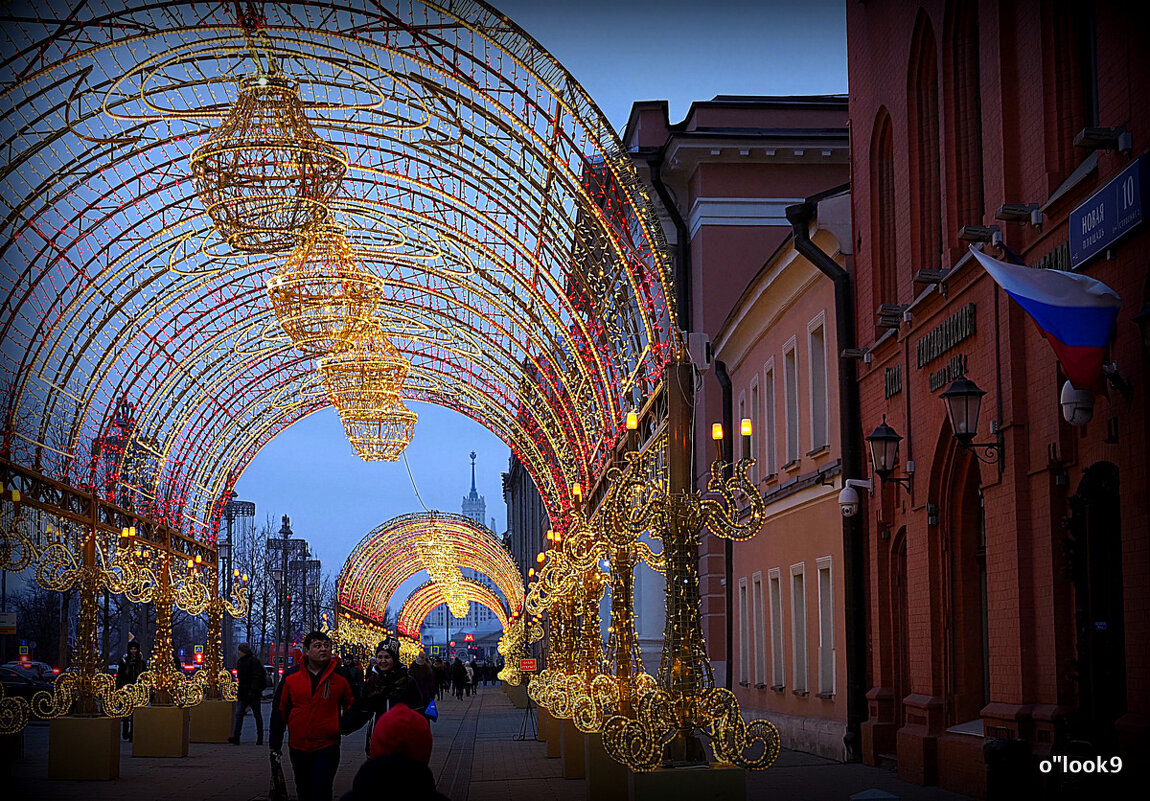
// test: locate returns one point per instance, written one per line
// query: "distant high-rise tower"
(474, 504)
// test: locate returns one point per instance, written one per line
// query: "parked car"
(42, 670)
(22, 682)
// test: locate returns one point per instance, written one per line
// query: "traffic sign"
(434, 650)
(199, 649)
(23, 650)
(527, 665)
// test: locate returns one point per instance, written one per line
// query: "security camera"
(849, 496)
(1077, 405)
(849, 501)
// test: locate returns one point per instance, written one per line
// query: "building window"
(883, 221)
(759, 622)
(791, 392)
(922, 115)
(770, 433)
(778, 662)
(757, 427)
(799, 628)
(964, 120)
(1070, 68)
(816, 336)
(744, 635)
(826, 628)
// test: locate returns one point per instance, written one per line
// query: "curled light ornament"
(363, 383)
(322, 296)
(264, 175)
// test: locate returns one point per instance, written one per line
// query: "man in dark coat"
(252, 680)
(132, 664)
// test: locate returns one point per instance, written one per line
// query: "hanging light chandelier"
(264, 175)
(322, 296)
(363, 382)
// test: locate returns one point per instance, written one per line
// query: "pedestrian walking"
(309, 702)
(400, 749)
(469, 669)
(458, 678)
(386, 685)
(251, 679)
(132, 664)
(424, 678)
(440, 677)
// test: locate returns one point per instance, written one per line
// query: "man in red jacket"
(309, 701)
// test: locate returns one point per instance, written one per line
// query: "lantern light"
(716, 431)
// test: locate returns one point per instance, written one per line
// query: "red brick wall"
(1030, 598)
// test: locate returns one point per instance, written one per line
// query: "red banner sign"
(527, 665)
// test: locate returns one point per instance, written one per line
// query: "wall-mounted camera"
(1077, 405)
(849, 499)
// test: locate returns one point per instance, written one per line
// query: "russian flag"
(1075, 313)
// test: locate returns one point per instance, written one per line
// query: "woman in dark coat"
(424, 678)
(132, 664)
(458, 678)
(388, 683)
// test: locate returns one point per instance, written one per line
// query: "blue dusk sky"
(621, 52)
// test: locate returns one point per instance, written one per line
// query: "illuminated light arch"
(387, 556)
(427, 596)
(524, 267)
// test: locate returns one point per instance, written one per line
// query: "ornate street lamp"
(264, 175)
(963, 403)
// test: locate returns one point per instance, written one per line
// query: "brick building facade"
(1008, 600)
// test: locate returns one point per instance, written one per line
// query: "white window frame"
(737, 452)
(758, 623)
(778, 653)
(800, 654)
(824, 568)
(757, 420)
(744, 635)
(770, 430)
(791, 405)
(820, 408)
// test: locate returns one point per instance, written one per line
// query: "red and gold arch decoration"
(390, 554)
(429, 595)
(522, 264)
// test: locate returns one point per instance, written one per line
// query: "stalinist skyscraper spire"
(474, 504)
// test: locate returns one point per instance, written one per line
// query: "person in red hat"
(399, 752)
(309, 702)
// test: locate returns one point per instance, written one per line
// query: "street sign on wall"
(1109, 214)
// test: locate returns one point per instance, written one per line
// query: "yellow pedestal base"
(212, 721)
(161, 731)
(574, 750)
(714, 782)
(84, 749)
(553, 743)
(606, 778)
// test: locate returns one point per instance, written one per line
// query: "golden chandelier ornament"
(264, 175)
(363, 383)
(322, 296)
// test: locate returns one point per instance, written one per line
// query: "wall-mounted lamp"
(1117, 138)
(980, 233)
(1020, 212)
(963, 402)
(883, 443)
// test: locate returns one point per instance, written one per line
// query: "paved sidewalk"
(475, 758)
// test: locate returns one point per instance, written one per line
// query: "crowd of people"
(322, 699)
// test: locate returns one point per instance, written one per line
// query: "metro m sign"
(527, 665)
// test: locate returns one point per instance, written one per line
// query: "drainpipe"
(850, 439)
(728, 545)
(682, 247)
